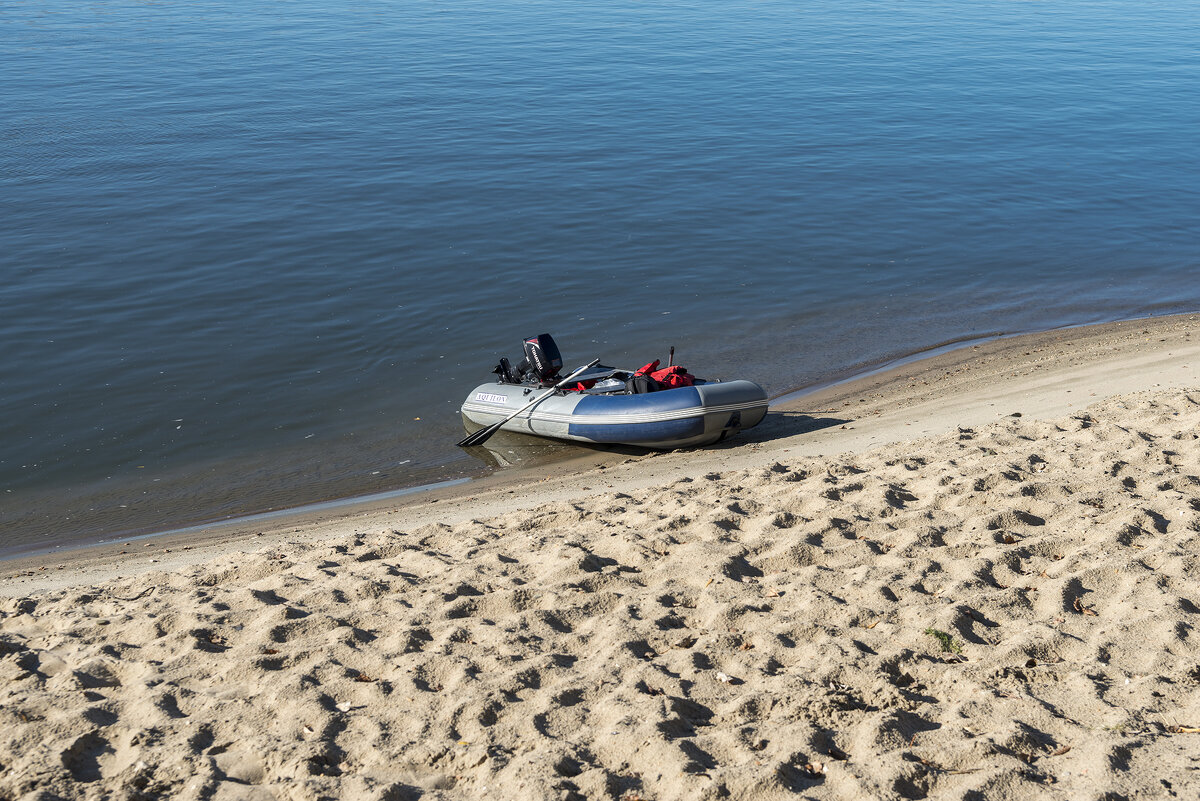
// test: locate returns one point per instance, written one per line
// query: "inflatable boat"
(607, 405)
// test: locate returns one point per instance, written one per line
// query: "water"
(255, 254)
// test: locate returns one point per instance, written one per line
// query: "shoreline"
(901, 385)
(54, 522)
(969, 576)
(573, 456)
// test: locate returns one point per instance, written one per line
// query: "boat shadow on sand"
(781, 424)
(509, 449)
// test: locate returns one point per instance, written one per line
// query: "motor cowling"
(542, 359)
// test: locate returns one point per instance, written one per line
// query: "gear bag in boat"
(675, 376)
(650, 379)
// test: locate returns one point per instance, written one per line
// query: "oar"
(482, 435)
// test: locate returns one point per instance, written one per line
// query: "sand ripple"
(998, 613)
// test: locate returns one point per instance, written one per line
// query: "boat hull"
(670, 418)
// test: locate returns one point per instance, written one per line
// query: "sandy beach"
(971, 576)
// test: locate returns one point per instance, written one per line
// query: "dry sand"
(970, 577)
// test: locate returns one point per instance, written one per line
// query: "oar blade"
(479, 437)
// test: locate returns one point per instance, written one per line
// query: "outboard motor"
(542, 359)
(505, 371)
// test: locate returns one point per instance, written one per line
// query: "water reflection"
(506, 449)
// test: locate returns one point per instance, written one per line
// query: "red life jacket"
(672, 377)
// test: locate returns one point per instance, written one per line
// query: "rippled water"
(255, 254)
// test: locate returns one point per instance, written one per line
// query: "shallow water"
(255, 255)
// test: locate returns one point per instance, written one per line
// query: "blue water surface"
(254, 254)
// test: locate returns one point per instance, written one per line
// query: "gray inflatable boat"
(607, 412)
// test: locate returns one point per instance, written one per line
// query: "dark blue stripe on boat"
(664, 431)
(667, 400)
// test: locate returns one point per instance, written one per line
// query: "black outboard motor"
(507, 374)
(542, 360)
